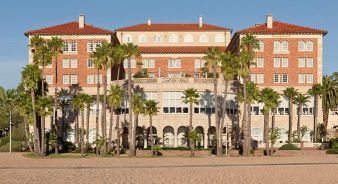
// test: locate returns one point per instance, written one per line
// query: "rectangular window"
(151, 63)
(98, 79)
(301, 46)
(309, 78)
(285, 78)
(253, 78)
(49, 79)
(197, 63)
(301, 78)
(145, 63)
(90, 46)
(65, 63)
(276, 46)
(285, 62)
(301, 62)
(151, 75)
(65, 47)
(260, 78)
(174, 63)
(172, 103)
(73, 79)
(177, 63)
(73, 46)
(65, 79)
(132, 63)
(260, 62)
(73, 63)
(285, 46)
(276, 78)
(309, 62)
(276, 62)
(90, 79)
(90, 63)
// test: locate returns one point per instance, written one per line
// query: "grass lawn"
(62, 155)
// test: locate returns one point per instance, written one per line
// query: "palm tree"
(55, 45)
(79, 101)
(300, 100)
(138, 108)
(290, 93)
(115, 99)
(44, 106)
(329, 97)
(118, 56)
(88, 100)
(131, 51)
(31, 76)
(316, 92)
(151, 110)
(248, 44)
(213, 58)
(270, 99)
(190, 96)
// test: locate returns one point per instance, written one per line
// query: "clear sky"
(16, 17)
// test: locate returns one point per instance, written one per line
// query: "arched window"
(127, 38)
(188, 38)
(142, 38)
(204, 38)
(219, 38)
(173, 38)
(301, 46)
(309, 46)
(157, 38)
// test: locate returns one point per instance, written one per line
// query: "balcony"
(167, 80)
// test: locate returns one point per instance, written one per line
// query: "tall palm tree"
(55, 45)
(290, 93)
(131, 51)
(316, 92)
(31, 76)
(115, 99)
(151, 110)
(329, 97)
(190, 96)
(270, 99)
(118, 56)
(79, 101)
(213, 58)
(88, 100)
(248, 44)
(44, 107)
(138, 108)
(300, 100)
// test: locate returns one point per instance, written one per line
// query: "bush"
(289, 146)
(4, 140)
(17, 146)
(332, 151)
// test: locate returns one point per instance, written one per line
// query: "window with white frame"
(220, 38)
(142, 38)
(98, 44)
(90, 79)
(73, 79)
(150, 95)
(199, 63)
(276, 62)
(285, 62)
(49, 79)
(276, 78)
(276, 46)
(309, 78)
(90, 46)
(173, 38)
(206, 103)
(301, 62)
(132, 63)
(65, 79)
(309, 46)
(285, 78)
(301, 46)
(65, 47)
(188, 38)
(127, 39)
(174, 63)
(151, 75)
(98, 78)
(309, 62)
(260, 78)
(301, 78)
(260, 62)
(204, 38)
(285, 46)
(253, 78)
(260, 46)
(73, 63)
(49, 65)
(172, 103)
(65, 63)
(148, 63)
(157, 38)
(283, 107)
(90, 63)
(73, 46)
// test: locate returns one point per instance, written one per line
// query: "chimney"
(81, 21)
(200, 21)
(269, 21)
(149, 21)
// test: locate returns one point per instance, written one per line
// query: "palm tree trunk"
(298, 121)
(104, 113)
(43, 125)
(151, 135)
(290, 119)
(218, 138)
(192, 142)
(226, 83)
(111, 128)
(131, 143)
(266, 132)
(246, 143)
(325, 117)
(97, 112)
(54, 126)
(77, 127)
(82, 133)
(315, 116)
(27, 135)
(134, 134)
(118, 75)
(36, 131)
(87, 127)
(118, 134)
(273, 127)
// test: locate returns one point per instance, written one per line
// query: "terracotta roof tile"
(281, 27)
(178, 49)
(70, 28)
(173, 27)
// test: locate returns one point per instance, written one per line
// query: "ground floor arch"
(200, 130)
(182, 136)
(168, 136)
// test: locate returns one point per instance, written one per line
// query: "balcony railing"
(168, 80)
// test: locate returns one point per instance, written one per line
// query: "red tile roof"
(282, 28)
(173, 27)
(70, 28)
(177, 49)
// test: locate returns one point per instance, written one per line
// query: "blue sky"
(16, 17)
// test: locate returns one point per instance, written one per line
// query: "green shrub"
(4, 140)
(332, 151)
(17, 146)
(289, 146)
